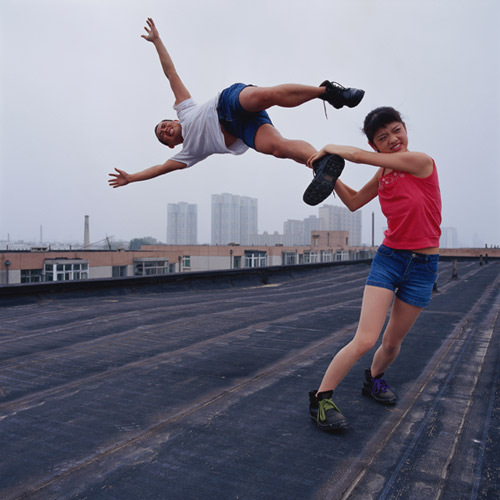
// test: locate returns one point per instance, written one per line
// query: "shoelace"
(379, 385)
(334, 84)
(324, 406)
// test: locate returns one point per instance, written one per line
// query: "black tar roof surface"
(199, 389)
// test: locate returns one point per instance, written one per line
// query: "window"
(68, 271)
(326, 256)
(119, 271)
(289, 258)
(186, 261)
(31, 275)
(341, 255)
(237, 262)
(312, 257)
(146, 267)
(255, 258)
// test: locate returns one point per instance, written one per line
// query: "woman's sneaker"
(327, 170)
(339, 96)
(324, 412)
(378, 389)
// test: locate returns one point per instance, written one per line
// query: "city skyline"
(234, 219)
(450, 235)
(43, 236)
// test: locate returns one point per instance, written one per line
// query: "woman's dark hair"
(378, 118)
(156, 130)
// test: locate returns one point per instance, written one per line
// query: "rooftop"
(198, 388)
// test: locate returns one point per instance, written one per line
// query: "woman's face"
(391, 139)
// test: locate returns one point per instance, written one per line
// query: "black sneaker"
(339, 96)
(324, 412)
(326, 172)
(378, 389)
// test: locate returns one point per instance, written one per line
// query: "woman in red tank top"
(403, 271)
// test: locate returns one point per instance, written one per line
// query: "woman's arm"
(418, 164)
(354, 200)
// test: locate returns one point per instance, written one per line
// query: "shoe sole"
(320, 187)
(366, 392)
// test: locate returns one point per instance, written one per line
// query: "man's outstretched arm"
(122, 178)
(180, 91)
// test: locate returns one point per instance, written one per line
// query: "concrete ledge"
(172, 281)
(218, 278)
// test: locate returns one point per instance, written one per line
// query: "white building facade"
(234, 219)
(341, 219)
(182, 224)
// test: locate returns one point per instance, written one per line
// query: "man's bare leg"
(269, 141)
(288, 95)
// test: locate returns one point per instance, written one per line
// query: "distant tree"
(136, 243)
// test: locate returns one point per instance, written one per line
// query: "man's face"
(169, 132)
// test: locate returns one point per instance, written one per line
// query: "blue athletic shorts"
(410, 274)
(235, 119)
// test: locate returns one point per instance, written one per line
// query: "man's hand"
(152, 32)
(119, 179)
(122, 178)
(180, 91)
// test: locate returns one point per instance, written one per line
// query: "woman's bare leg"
(376, 303)
(402, 318)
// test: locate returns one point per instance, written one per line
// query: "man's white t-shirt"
(202, 133)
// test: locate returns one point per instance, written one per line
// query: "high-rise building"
(341, 219)
(298, 232)
(234, 219)
(449, 237)
(293, 232)
(266, 239)
(182, 224)
(248, 219)
(312, 223)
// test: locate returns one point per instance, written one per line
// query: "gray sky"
(80, 93)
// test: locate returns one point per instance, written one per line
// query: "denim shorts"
(410, 274)
(236, 120)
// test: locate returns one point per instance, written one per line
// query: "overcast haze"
(81, 92)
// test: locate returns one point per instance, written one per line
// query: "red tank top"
(412, 206)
